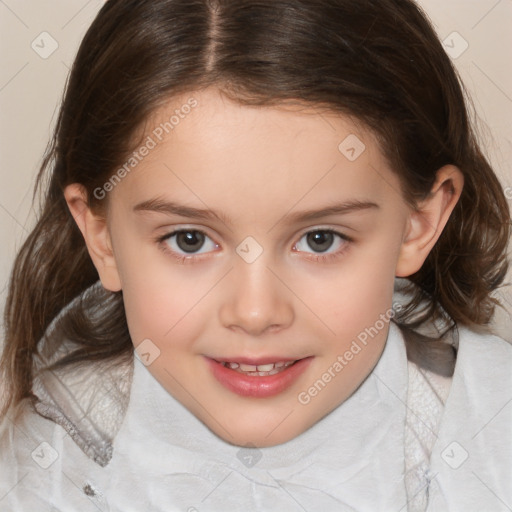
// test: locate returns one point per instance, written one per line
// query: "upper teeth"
(258, 368)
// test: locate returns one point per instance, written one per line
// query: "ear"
(96, 234)
(424, 226)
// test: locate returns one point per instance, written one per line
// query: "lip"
(257, 386)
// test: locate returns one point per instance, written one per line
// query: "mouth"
(258, 378)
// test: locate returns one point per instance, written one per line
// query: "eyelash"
(161, 241)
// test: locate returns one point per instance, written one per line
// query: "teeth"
(248, 367)
(265, 367)
(262, 369)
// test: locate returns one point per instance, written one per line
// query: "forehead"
(209, 149)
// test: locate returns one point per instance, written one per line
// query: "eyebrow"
(159, 205)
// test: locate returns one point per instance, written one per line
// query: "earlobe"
(425, 225)
(95, 231)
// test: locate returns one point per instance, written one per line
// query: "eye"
(187, 245)
(184, 243)
(321, 240)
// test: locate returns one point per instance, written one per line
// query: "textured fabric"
(426, 396)
(89, 408)
(471, 460)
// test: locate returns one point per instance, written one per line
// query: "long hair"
(378, 61)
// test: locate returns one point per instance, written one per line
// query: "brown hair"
(378, 61)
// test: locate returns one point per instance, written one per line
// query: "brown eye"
(190, 241)
(320, 241)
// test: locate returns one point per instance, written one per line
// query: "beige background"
(31, 88)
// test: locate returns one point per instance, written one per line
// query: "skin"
(255, 166)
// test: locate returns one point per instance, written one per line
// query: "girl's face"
(251, 236)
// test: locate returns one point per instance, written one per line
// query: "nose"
(256, 300)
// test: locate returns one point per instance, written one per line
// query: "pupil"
(189, 241)
(321, 238)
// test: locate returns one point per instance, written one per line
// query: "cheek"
(357, 307)
(372, 279)
(160, 313)
(168, 304)
(374, 266)
(154, 293)
(352, 294)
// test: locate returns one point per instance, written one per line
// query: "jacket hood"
(88, 399)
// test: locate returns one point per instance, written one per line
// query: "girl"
(280, 208)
